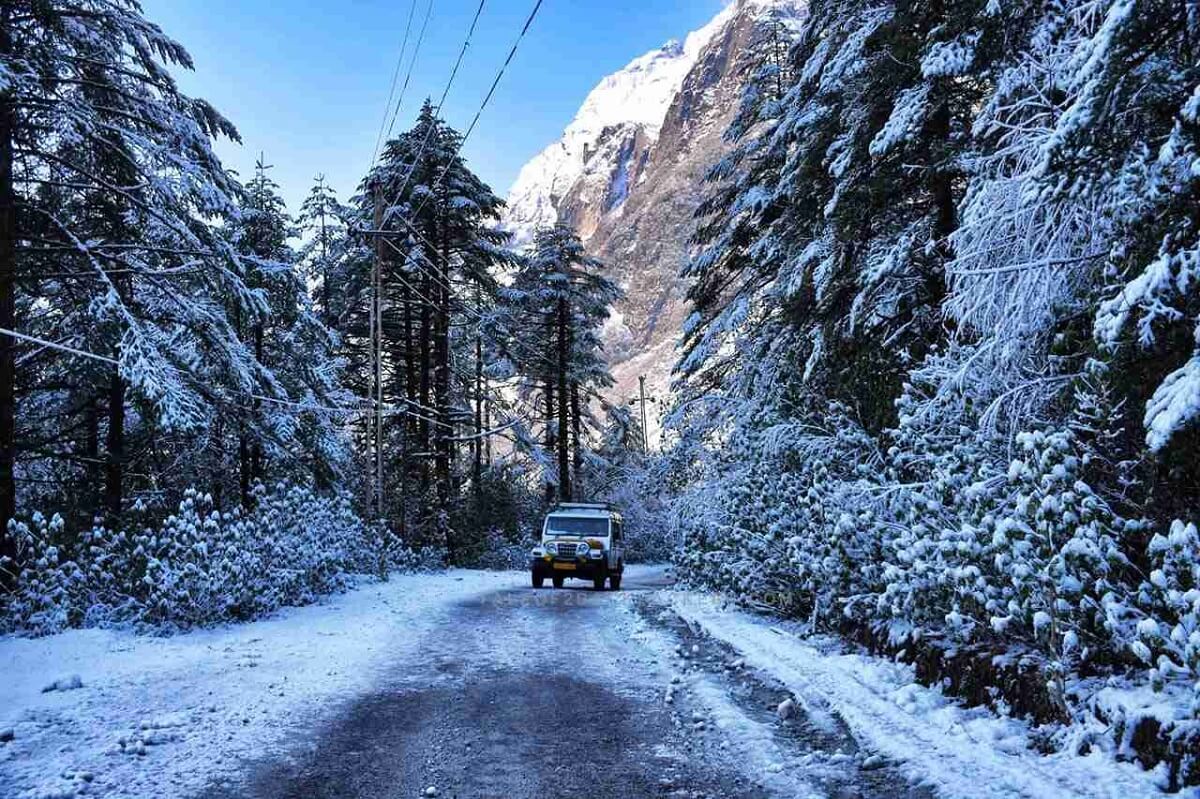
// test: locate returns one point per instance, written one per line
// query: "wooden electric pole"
(376, 322)
(645, 430)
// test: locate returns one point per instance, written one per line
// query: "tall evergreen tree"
(438, 248)
(322, 221)
(118, 242)
(284, 433)
(809, 265)
(108, 187)
(562, 300)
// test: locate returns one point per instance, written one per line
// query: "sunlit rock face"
(627, 173)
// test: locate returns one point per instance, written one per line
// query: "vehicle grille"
(565, 549)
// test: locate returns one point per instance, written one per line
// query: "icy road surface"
(470, 684)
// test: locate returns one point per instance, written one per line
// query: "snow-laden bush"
(1169, 635)
(793, 531)
(200, 565)
(942, 536)
(1030, 554)
(49, 586)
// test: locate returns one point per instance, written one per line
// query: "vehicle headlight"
(583, 548)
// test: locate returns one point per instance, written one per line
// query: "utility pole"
(376, 322)
(645, 430)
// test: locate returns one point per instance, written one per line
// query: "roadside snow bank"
(162, 717)
(962, 752)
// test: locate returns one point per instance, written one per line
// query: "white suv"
(582, 540)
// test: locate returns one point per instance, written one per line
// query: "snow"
(960, 752)
(753, 743)
(167, 716)
(636, 96)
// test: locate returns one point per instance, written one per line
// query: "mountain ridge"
(628, 172)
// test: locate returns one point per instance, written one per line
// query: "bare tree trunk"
(477, 449)
(91, 456)
(376, 339)
(256, 452)
(576, 447)
(411, 391)
(551, 431)
(114, 467)
(412, 377)
(564, 401)
(244, 478)
(218, 464)
(425, 383)
(8, 303)
(243, 441)
(487, 425)
(445, 445)
(941, 182)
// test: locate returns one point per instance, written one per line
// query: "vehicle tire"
(614, 582)
(558, 582)
(598, 583)
(537, 580)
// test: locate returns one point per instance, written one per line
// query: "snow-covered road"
(476, 685)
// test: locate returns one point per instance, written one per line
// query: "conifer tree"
(322, 221)
(562, 301)
(108, 191)
(435, 236)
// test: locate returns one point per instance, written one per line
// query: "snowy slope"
(634, 99)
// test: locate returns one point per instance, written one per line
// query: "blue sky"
(306, 81)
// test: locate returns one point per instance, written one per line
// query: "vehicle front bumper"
(580, 568)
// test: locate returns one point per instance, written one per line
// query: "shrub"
(200, 565)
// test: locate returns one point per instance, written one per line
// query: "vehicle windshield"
(576, 525)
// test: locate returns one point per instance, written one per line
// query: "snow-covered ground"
(158, 717)
(117, 714)
(961, 752)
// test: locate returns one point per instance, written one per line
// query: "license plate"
(565, 566)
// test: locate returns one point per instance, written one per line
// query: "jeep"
(583, 541)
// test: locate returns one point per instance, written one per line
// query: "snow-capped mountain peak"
(625, 108)
(627, 174)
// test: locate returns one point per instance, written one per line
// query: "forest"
(940, 387)
(212, 405)
(937, 392)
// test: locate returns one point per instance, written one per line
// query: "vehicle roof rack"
(585, 506)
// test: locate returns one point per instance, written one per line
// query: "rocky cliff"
(628, 173)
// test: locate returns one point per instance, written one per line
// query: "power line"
(411, 65)
(438, 110)
(389, 409)
(395, 77)
(428, 265)
(487, 98)
(376, 306)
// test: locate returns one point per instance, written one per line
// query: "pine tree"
(126, 240)
(109, 190)
(561, 300)
(434, 234)
(803, 228)
(1131, 136)
(290, 343)
(322, 221)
